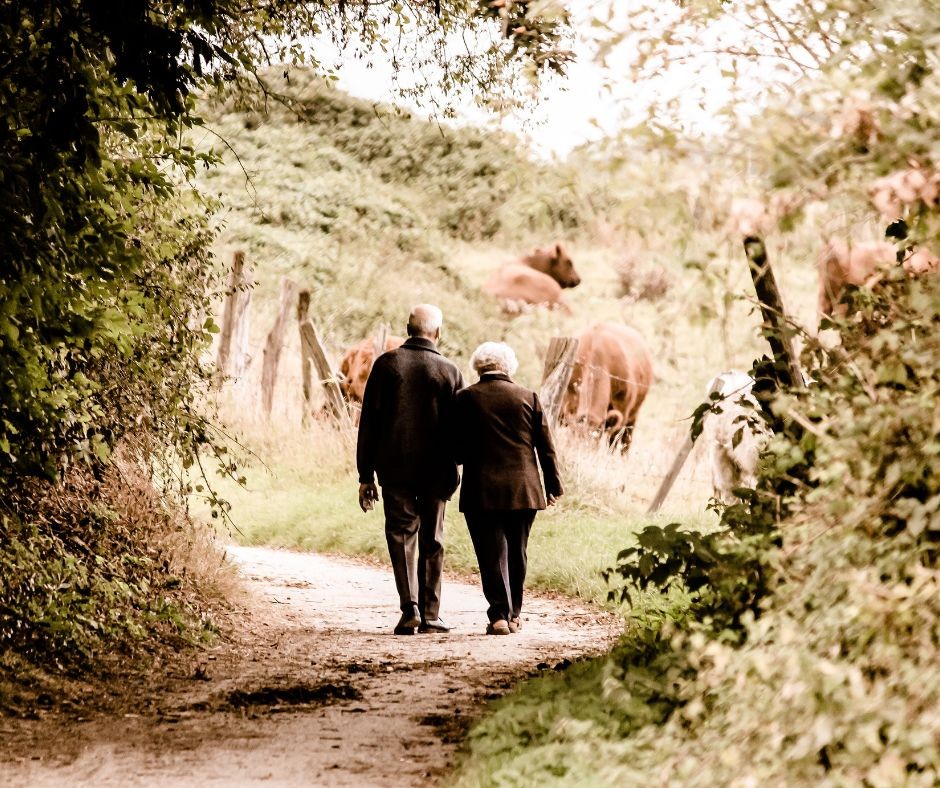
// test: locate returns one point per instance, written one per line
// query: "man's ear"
(437, 334)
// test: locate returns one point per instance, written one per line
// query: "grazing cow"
(611, 376)
(517, 285)
(920, 261)
(357, 364)
(748, 217)
(555, 262)
(894, 194)
(734, 459)
(861, 264)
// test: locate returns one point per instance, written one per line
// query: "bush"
(96, 563)
(640, 283)
(828, 671)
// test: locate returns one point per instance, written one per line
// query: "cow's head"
(561, 267)
(586, 407)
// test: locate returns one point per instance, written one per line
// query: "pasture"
(370, 240)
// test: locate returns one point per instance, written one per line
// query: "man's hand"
(368, 495)
(552, 500)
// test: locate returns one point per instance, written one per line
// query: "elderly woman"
(500, 428)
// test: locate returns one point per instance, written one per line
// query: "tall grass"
(301, 493)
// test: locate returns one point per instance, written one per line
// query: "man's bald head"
(425, 321)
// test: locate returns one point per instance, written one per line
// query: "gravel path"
(312, 689)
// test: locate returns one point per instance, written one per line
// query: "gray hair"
(424, 320)
(494, 357)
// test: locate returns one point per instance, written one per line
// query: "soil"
(311, 688)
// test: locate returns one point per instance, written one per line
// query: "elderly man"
(406, 408)
(500, 430)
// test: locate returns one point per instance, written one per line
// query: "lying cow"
(536, 278)
(517, 285)
(357, 364)
(861, 264)
(733, 459)
(555, 262)
(611, 376)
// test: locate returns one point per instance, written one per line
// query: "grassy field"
(301, 490)
(374, 212)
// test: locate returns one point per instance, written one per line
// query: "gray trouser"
(500, 539)
(414, 531)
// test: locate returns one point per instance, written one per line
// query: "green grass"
(292, 506)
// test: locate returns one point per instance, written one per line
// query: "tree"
(104, 240)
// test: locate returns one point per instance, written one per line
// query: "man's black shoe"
(433, 625)
(408, 622)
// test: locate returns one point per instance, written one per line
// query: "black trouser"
(499, 540)
(414, 524)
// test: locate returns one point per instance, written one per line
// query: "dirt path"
(314, 691)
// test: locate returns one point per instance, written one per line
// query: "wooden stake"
(233, 361)
(775, 328)
(273, 346)
(684, 451)
(559, 362)
(312, 353)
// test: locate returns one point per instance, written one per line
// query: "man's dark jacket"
(499, 428)
(406, 407)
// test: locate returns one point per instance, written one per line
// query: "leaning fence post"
(312, 353)
(273, 346)
(233, 360)
(775, 329)
(559, 362)
(684, 450)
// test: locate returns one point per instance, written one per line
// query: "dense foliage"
(106, 274)
(832, 673)
(796, 642)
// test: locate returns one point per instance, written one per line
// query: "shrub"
(642, 283)
(98, 562)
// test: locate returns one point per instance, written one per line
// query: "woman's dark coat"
(499, 430)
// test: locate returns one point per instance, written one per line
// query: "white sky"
(594, 101)
(591, 103)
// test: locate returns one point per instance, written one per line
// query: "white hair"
(425, 319)
(494, 357)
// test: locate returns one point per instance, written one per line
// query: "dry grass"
(639, 283)
(186, 548)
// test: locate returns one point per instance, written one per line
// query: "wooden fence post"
(684, 451)
(303, 308)
(273, 346)
(232, 356)
(312, 353)
(775, 328)
(559, 361)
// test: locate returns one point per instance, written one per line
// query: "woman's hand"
(552, 499)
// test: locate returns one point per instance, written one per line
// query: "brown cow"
(860, 264)
(357, 364)
(517, 285)
(612, 374)
(555, 262)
